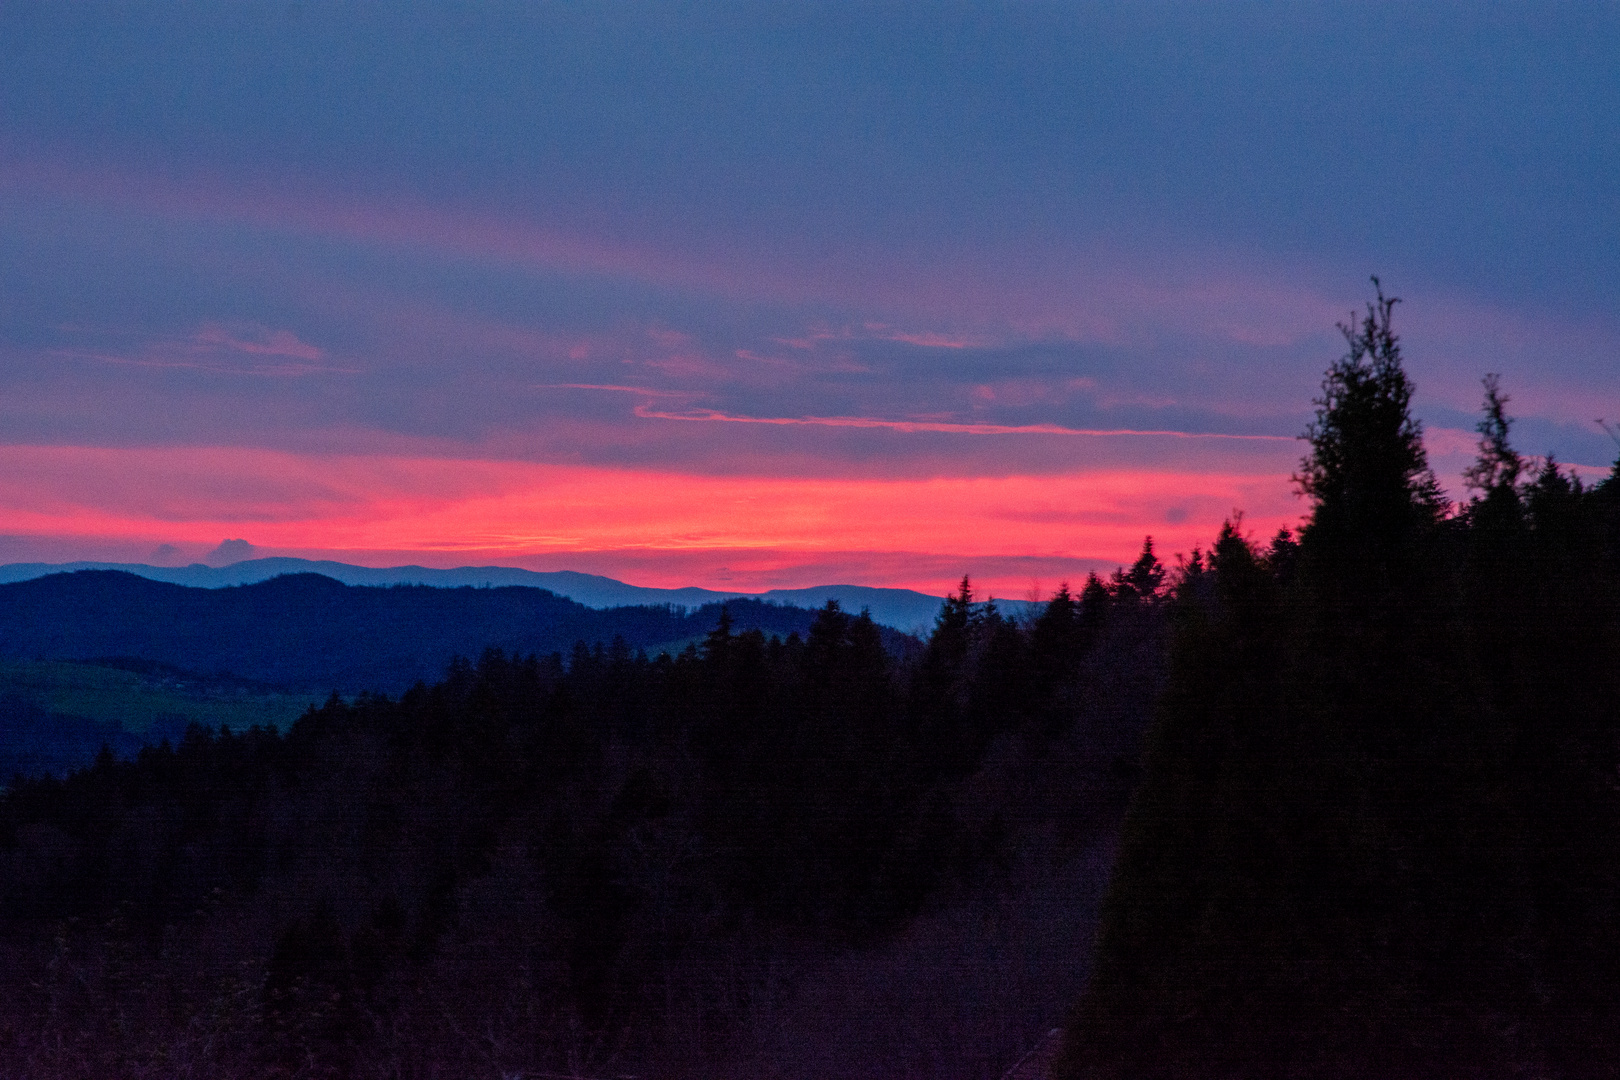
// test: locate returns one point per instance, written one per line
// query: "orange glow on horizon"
(730, 532)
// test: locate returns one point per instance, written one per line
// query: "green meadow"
(137, 699)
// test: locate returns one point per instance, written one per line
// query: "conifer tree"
(717, 643)
(1144, 580)
(1367, 473)
(1095, 600)
(1055, 637)
(1498, 465)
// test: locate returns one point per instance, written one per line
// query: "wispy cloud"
(292, 369)
(257, 341)
(240, 349)
(644, 391)
(950, 427)
(928, 339)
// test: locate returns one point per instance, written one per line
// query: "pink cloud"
(218, 348)
(257, 340)
(947, 298)
(1108, 295)
(397, 219)
(1032, 290)
(947, 426)
(460, 511)
(926, 339)
(1031, 391)
(643, 391)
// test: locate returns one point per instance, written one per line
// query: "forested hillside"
(1379, 829)
(905, 609)
(767, 855)
(55, 715)
(308, 632)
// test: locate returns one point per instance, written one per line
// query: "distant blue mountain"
(903, 609)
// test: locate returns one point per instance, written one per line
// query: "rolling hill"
(307, 632)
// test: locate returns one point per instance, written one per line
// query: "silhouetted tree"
(1367, 473)
(1143, 581)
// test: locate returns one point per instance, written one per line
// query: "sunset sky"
(772, 295)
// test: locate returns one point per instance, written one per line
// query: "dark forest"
(1378, 832)
(1359, 788)
(593, 864)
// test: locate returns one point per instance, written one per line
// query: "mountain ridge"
(310, 632)
(903, 609)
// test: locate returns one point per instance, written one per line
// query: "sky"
(765, 295)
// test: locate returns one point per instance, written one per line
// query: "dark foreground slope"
(793, 858)
(307, 632)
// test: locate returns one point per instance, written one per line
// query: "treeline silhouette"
(591, 864)
(1378, 833)
(35, 741)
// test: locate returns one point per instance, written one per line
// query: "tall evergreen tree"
(1144, 581)
(1367, 473)
(1498, 466)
